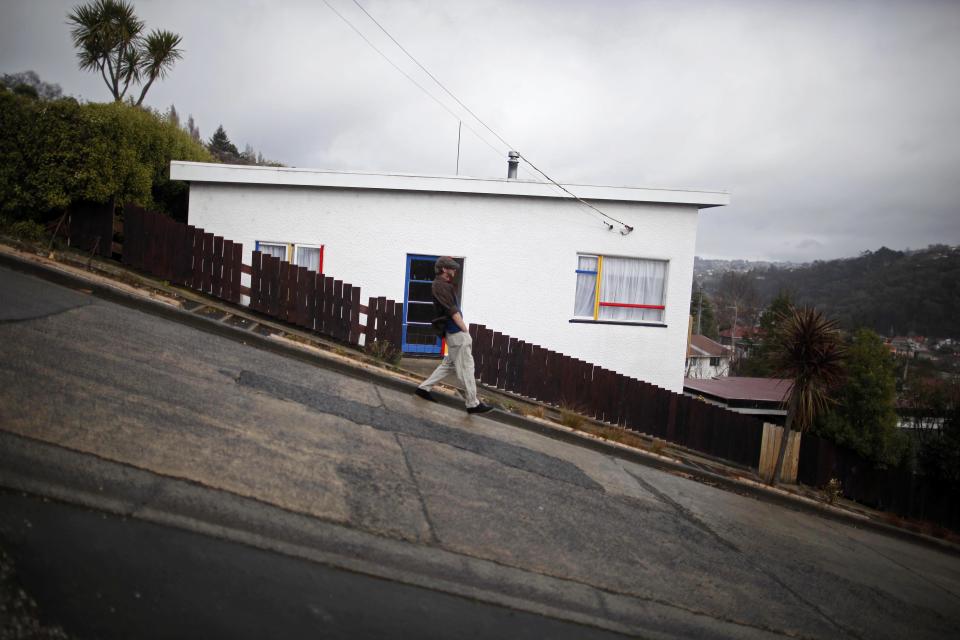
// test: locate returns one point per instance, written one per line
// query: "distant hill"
(891, 292)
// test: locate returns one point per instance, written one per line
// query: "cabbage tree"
(109, 39)
(807, 350)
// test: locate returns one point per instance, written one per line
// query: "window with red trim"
(620, 289)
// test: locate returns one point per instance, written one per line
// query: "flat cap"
(445, 262)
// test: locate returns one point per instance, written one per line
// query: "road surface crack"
(904, 566)
(690, 517)
(416, 485)
(685, 513)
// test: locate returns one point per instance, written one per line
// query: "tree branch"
(121, 56)
(143, 94)
(112, 84)
(103, 73)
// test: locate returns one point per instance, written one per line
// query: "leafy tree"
(56, 153)
(738, 299)
(193, 129)
(173, 117)
(249, 155)
(224, 150)
(704, 318)
(40, 89)
(865, 417)
(939, 452)
(26, 91)
(221, 147)
(109, 39)
(760, 363)
(808, 351)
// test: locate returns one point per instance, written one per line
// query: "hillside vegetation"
(891, 292)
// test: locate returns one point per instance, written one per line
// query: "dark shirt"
(445, 306)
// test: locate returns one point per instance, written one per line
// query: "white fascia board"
(288, 176)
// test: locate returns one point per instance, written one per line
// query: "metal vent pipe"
(513, 159)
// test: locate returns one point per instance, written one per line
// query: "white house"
(707, 358)
(537, 264)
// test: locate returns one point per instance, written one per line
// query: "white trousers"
(459, 360)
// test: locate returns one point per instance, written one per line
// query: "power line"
(498, 152)
(408, 77)
(627, 228)
(433, 77)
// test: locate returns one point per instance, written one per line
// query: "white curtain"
(309, 257)
(275, 250)
(586, 287)
(632, 281)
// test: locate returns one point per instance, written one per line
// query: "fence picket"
(216, 269)
(382, 325)
(371, 329)
(346, 312)
(355, 327)
(236, 272)
(390, 328)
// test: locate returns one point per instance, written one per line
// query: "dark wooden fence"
(898, 490)
(191, 257)
(534, 372)
(89, 227)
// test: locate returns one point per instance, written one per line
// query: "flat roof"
(292, 176)
(732, 389)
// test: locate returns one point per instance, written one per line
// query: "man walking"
(449, 322)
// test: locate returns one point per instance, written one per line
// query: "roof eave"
(292, 176)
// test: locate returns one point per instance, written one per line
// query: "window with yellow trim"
(619, 289)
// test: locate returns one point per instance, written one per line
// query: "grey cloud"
(832, 125)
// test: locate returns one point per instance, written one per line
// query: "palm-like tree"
(807, 350)
(107, 35)
(160, 53)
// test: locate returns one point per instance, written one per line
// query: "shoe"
(426, 395)
(480, 408)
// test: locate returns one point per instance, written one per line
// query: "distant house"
(761, 397)
(746, 338)
(706, 358)
(910, 347)
(537, 265)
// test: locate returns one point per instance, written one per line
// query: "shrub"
(535, 412)
(384, 351)
(832, 491)
(57, 152)
(570, 418)
(27, 230)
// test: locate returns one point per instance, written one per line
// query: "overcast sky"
(834, 126)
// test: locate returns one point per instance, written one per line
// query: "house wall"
(521, 253)
(698, 367)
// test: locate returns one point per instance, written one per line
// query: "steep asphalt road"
(110, 407)
(106, 576)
